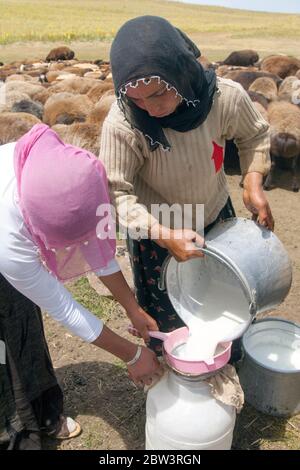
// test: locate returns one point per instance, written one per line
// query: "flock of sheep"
(73, 97)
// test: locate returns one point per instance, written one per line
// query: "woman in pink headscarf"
(55, 225)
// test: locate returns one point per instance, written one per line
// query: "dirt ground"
(108, 406)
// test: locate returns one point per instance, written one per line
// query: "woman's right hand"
(146, 369)
(181, 244)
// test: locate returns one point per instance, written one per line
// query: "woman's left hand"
(143, 323)
(256, 201)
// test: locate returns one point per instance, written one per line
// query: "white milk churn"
(182, 414)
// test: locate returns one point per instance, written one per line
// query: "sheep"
(14, 125)
(53, 75)
(281, 65)
(28, 106)
(24, 87)
(265, 86)
(87, 65)
(67, 110)
(260, 108)
(57, 77)
(101, 109)
(289, 90)
(257, 97)
(60, 53)
(42, 95)
(245, 78)
(54, 66)
(284, 119)
(9, 98)
(99, 89)
(245, 57)
(87, 134)
(96, 75)
(81, 134)
(222, 70)
(20, 77)
(76, 71)
(76, 85)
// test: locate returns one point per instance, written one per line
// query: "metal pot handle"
(252, 305)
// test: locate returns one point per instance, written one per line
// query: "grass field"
(89, 26)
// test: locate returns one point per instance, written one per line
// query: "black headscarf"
(150, 46)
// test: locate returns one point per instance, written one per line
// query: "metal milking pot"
(238, 249)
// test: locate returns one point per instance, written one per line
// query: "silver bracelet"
(136, 357)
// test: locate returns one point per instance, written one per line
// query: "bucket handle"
(205, 250)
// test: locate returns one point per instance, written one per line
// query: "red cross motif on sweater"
(218, 156)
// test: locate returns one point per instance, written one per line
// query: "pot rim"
(261, 364)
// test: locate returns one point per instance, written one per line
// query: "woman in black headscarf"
(163, 143)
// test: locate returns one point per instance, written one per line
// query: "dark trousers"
(30, 397)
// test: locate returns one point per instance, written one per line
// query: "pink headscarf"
(60, 189)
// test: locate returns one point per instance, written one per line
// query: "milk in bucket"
(214, 307)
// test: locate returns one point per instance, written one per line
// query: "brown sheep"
(24, 87)
(245, 57)
(101, 109)
(289, 89)
(54, 66)
(97, 91)
(41, 96)
(60, 53)
(222, 70)
(284, 119)
(14, 125)
(280, 65)
(87, 134)
(74, 108)
(246, 78)
(257, 97)
(81, 134)
(20, 77)
(57, 77)
(261, 110)
(97, 75)
(76, 85)
(266, 87)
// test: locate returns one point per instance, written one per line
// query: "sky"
(282, 6)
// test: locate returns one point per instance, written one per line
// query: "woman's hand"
(181, 243)
(256, 201)
(143, 323)
(146, 369)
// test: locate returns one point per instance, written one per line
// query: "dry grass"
(67, 20)
(29, 29)
(216, 30)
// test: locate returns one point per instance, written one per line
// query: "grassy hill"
(90, 25)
